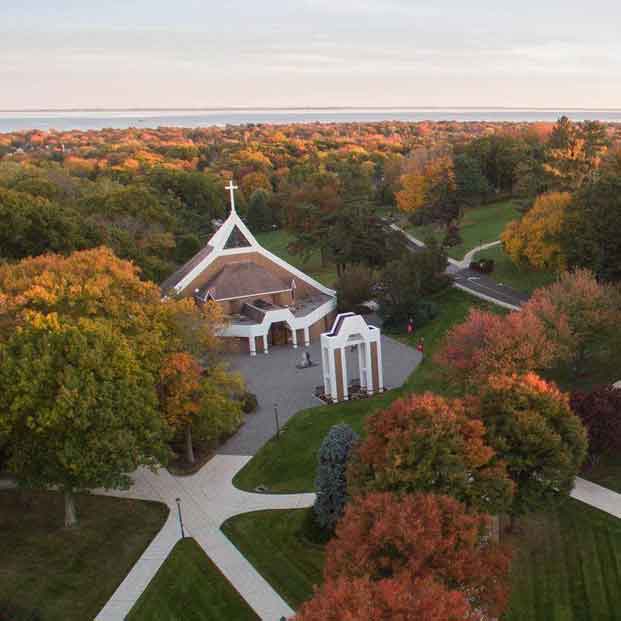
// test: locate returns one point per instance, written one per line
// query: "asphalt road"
(475, 282)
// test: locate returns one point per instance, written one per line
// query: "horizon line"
(299, 108)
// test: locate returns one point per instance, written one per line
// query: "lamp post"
(277, 421)
(180, 518)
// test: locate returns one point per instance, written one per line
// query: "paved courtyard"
(274, 379)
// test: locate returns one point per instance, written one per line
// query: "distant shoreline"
(150, 118)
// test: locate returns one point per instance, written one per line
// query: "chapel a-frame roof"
(232, 238)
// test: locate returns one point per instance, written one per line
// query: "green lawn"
(189, 587)
(70, 574)
(278, 242)
(273, 543)
(478, 226)
(606, 472)
(567, 566)
(507, 272)
(288, 464)
(567, 563)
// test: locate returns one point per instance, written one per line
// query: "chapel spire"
(231, 187)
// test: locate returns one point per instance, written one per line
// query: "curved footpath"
(208, 498)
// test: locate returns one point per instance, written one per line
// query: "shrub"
(600, 411)
(249, 402)
(331, 481)
(453, 236)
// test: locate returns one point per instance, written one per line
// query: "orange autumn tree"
(426, 443)
(193, 399)
(388, 546)
(487, 343)
(95, 284)
(536, 238)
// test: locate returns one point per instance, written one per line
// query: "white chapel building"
(268, 301)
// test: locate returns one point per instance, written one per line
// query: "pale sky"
(192, 53)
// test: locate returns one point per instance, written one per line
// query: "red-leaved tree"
(386, 545)
(488, 344)
(600, 411)
(397, 599)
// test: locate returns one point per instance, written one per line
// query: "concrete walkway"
(208, 498)
(597, 496)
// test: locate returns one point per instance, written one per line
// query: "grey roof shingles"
(176, 277)
(243, 279)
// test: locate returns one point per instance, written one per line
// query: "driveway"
(274, 379)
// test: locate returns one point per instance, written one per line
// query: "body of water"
(120, 119)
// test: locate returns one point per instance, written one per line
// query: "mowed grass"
(508, 273)
(278, 243)
(606, 471)
(189, 587)
(287, 464)
(273, 542)
(566, 564)
(69, 574)
(479, 225)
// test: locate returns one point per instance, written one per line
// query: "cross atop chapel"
(231, 187)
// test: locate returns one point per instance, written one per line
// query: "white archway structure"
(351, 330)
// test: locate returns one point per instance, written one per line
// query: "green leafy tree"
(472, 186)
(591, 233)
(259, 213)
(531, 427)
(30, 226)
(408, 279)
(79, 411)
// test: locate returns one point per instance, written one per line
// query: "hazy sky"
(170, 53)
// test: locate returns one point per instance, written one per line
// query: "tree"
(331, 480)
(421, 599)
(383, 537)
(591, 234)
(530, 425)
(254, 181)
(490, 344)
(425, 443)
(405, 281)
(429, 186)
(471, 184)
(81, 411)
(567, 324)
(536, 238)
(30, 226)
(354, 288)
(580, 317)
(259, 213)
(600, 412)
(193, 399)
(94, 284)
